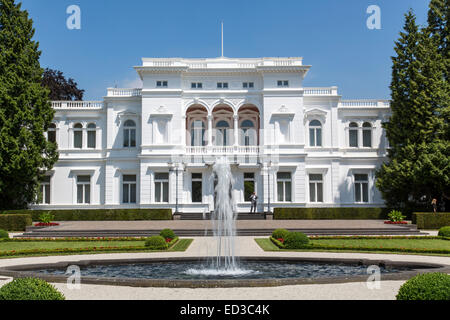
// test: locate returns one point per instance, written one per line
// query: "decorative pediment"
(283, 111)
(162, 112)
(315, 114)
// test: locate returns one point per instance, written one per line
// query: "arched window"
(51, 133)
(248, 133)
(367, 135)
(315, 133)
(78, 136)
(198, 133)
(91, 135)
(222, 129)
(353, 135)
(129, 134)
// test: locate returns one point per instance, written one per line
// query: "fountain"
(224, 226)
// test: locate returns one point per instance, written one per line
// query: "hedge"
(428, 286)
(99, 214)
(348, 213)
(29, 289)
(15, 222)
(431, 220)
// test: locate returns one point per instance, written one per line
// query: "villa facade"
(154, 147)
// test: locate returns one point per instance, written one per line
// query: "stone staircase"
(49, 233)
(207, 216)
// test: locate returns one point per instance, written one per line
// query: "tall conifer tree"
(25, 111)
(419, 154)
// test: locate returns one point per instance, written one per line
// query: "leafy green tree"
(418, 167)
(60, 87)
(25, 111)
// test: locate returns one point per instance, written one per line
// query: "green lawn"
(369, 245)
(49, 247)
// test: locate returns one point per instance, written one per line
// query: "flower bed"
(83, 250)
(48, 224)
(395, 222)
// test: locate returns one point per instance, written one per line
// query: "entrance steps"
(48, 233)
(207, 216)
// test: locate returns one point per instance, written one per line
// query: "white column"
(210, 121)
(236, 130)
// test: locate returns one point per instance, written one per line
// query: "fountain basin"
(258, 272)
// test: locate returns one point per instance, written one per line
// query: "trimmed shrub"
(428, 286)
(167, 234)
(396, 216)
(431, 220)
(4, 234)
(15, 222)
(444, 232)
(46, 217)
(29, 289)
(296, 240)
(100, 214)
(280, 234)
(355, 213)
(156, 242)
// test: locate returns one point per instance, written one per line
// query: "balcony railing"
(215, 150)
(74, 105)
(121, 92)
(328, 91)
(366, 103)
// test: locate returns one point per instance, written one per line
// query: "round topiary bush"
(167, 234)
(428, 286)
(444, 232)
(29, 289)
(296, 240)
(4, 234)
(280, 234)
(156, 242)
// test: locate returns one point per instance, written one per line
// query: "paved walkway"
(204, 246)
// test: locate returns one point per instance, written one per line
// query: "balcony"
(223, 150)
(124, 92)
(77, 105)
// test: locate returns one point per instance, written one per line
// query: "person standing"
(434, 204)
(253, 199)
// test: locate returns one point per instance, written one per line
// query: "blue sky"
(331, 35)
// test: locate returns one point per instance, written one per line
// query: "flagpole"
(222, 39)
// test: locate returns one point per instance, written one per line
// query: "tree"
(60, 87)
(418, 164)
(25, 111)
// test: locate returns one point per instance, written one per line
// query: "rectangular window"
(161, 84)
(84, 189)
(91, 139)
(222, 85)
(353, 137)
(248, 85)
(161, 187)
(129, 187)
(283, 83)
(284, 185)
(315, 188)
(367, 138)
(45, 190)
(361, 188)
(78, 139)
(196, 190)
(249, 185)
(196, 85)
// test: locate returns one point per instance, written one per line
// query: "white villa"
(154, 147)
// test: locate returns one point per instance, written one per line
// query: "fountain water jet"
(224, 225)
